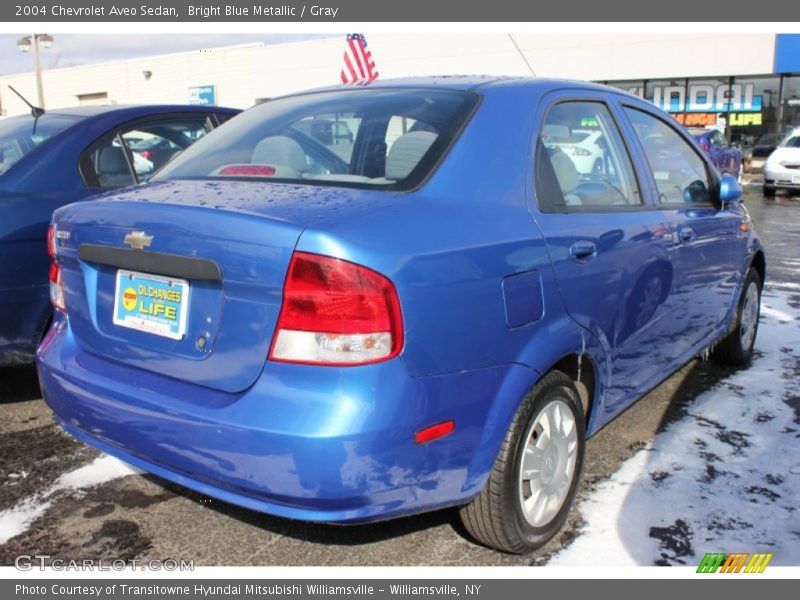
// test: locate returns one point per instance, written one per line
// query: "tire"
(736, 348)
(769, 191)
(496, 517)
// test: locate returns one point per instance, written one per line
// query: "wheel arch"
(565, 347)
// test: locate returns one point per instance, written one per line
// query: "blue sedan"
(436, 312)
(57, 158)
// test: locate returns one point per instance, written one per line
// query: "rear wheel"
(769, 191)
(736, 348)
(532, 484)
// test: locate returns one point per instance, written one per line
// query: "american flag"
(358, 64)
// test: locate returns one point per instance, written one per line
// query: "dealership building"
(748, 82)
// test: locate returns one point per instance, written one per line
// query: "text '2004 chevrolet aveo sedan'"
(436, 312)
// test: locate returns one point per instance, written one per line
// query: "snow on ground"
(104, 468)
(725, 478)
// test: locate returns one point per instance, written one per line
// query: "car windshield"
(768, 139)
(21, 135)
(375, 138)
(793, 141)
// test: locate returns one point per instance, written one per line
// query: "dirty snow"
(104, 468)
(725, 478)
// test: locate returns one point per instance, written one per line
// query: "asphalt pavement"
(143, 517)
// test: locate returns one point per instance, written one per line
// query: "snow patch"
(104, 468)
(725, 478)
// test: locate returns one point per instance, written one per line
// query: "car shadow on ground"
(19, 384)
(322, 533)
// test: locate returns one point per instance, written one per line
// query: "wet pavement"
(143, 517)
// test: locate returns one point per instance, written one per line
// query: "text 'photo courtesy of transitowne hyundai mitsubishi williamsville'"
(435, 311)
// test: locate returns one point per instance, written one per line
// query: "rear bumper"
(311, 443)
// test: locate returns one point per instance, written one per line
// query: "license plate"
(151, 303)
(795, 178)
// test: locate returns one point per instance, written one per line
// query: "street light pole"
(32, 44)
(37, 65)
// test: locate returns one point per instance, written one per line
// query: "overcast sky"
(71, 49)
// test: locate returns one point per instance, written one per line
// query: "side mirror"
(729, 190)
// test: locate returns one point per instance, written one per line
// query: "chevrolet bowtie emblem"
(138, 240)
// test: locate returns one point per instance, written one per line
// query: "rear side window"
(135, 152)
(582, 162)
(680, 174)
(21, 135)
(377, 138)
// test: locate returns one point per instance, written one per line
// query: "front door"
(612, 252)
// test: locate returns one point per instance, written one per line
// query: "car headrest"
(112, 160)
(565, 170)
(406, 152)
(280, 150)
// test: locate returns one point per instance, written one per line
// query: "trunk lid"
(230, 242)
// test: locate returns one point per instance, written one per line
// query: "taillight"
(705, 146)
(56, 289)
(335, 312)
(146, 154)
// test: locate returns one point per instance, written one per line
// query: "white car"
(782, 170)
(585, 148)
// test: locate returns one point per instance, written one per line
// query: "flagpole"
(513, 41)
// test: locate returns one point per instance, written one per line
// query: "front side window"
(379, 138)
(680, 174)
(582, 162)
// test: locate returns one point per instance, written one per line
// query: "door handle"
(686, 235)
(583, 251)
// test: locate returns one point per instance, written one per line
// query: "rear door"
(704, 234)
(610, 248)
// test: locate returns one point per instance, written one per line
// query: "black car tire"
(732, 350)
(495, 517)
(769, 191)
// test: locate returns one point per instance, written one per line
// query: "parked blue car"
(724, 156)
(58, 158)
(435, 314)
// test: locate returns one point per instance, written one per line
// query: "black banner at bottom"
(340, 589)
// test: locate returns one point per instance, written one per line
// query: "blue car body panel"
(489, 298)
(41, 181)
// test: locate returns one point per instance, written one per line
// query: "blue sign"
(203, 94)
(787, 53)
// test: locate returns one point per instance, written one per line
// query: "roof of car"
(92, 111)
(471, 82)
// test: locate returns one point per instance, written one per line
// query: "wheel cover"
(749, 319)
(547, 467)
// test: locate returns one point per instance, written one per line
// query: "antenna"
(36, 112)
(522, 54)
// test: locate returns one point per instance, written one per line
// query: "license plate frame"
(137, 297)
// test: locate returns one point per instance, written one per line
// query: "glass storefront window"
(791, 103)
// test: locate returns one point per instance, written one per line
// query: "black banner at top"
(713, 11)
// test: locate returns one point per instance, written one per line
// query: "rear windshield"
(21, 135)
(377, 138)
